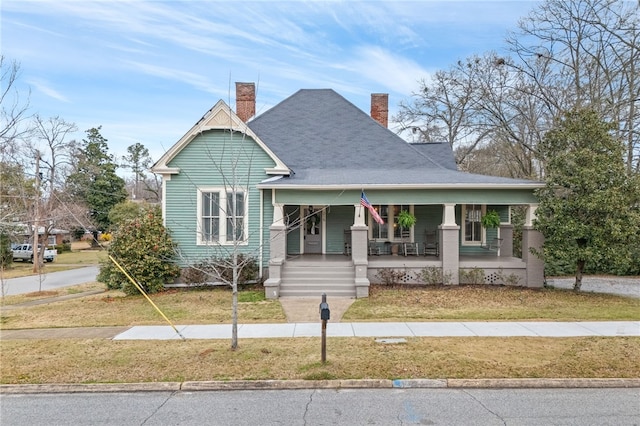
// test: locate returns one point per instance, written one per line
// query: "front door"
(312, 230)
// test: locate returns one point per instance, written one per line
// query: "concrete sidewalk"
(388, 330)
(345, 329)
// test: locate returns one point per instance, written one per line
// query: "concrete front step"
(313, 280)
(317, 292)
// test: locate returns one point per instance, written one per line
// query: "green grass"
(107, 361)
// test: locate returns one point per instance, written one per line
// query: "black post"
(324, 316)
(324, 341)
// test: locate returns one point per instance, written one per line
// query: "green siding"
(428, 219)
(293, 232)
(339, 219)
(215, 158)
(408, 196)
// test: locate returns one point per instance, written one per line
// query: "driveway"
(49, 281)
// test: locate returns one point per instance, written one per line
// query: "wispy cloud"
(185, 77)
(394, 72)
(127, 63)
(45, 88)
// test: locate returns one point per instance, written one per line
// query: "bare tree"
(585, 53)
(53, 154)
(13, 108)
(565, 54)
(478, 105)
(446, 109)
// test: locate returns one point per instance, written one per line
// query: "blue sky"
(148, 70)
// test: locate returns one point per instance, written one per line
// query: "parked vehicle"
(24, 252)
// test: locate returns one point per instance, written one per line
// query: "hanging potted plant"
(406, 220)
(490, 220)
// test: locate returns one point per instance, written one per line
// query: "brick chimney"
(380, 108)
(245, 100)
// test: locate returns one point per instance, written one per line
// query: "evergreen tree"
(138, 160)
(94, 179)
(590, 207)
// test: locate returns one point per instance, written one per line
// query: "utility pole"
(36, 222)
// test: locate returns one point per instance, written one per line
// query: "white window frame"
(222, 215)
(389, 223)
(463, 215)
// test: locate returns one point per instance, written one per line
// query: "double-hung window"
(472, 214)
(380, 232)
(390, 230)
(222, 216)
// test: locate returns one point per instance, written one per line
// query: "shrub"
(390, 276)
(432, 275)
(77, 233)
(472, 276)
(221, 270)
(143, 247)
(510, 279)
(64, 247)
(194, 275)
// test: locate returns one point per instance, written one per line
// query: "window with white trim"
(472, 229)
(380, 232)
(390, 230)
(222, 214)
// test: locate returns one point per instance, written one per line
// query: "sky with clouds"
(146, 71)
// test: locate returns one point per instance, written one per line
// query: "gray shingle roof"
(326, 140)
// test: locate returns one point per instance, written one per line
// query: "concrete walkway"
(389, 330)
(385, 330)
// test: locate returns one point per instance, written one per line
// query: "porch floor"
(390, 261)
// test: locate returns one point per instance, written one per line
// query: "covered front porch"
(362, 259)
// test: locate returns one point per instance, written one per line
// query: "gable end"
(220, 117)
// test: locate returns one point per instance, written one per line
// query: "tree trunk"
(234, 302)
(94, 239)
(579, 271)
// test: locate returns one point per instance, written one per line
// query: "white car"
(24, 252)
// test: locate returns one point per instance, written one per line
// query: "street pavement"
(49, 281)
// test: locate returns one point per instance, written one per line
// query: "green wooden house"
(287, 187)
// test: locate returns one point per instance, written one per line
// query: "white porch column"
(278, 252)
(449, 215)
(530, 214)
(450, 244)
(359, 241)
(359, 214)
(532, 240)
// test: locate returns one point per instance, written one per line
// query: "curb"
(321, 384)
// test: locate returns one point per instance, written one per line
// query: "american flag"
(365, 202)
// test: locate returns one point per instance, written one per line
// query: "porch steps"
(311, 280)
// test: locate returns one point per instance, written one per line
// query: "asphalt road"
(49, 281)
(329, 407)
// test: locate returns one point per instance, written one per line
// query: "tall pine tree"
(94, 180)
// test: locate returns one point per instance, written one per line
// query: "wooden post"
(36, 224)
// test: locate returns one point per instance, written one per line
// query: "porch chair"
(431, 244)
(374, 248)
(410, 249)
(347, 242)
(493, 246)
